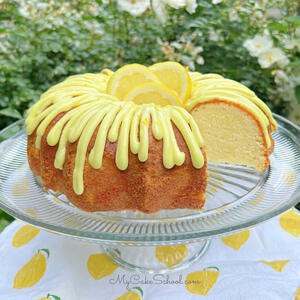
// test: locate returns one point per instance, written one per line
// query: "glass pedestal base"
(156, 259)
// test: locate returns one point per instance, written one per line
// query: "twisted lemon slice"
(128, 77)
(152, 92)
(175, 77)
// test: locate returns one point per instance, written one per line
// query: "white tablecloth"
(261, 263)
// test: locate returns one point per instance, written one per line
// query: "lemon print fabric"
(201, 282)
(24, 235)
(277, 265)
(135, 293)
(99, 266)
(50, 297)
(237, 240)
(33, 271)
(290, 222)
(297, 295)
(171, 255)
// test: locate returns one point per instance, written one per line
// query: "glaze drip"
(87, 109)
(123, 122)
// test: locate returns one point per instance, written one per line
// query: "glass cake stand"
(237, 197)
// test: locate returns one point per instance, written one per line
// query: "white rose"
(134, 7)
(271, 56)
(160, 10)
(258, 45)
(175, 3)
(188, 61)
(200, 60)
(281, 77)
(176, 45)
(191, 6)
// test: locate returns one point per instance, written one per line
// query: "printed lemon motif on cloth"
(99, 266)
(297, 295)
(237, 240)
(201, 282)
(277, 265)
(33, 271)
(136, 293)
(24, 235)
(290, 222)
(171, 255)
(50, 297)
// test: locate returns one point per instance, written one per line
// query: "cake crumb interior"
(231, 135)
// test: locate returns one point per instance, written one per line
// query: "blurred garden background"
(256, 42)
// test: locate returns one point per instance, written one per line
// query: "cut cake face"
(231, 134)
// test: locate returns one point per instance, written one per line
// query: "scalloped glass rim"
(286, 128)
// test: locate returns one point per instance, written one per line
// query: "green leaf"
(3, 224)
(277, 26)
(295, 20)
(139, 289)
(211, 267)
(295, 63)
(297, 92)
(46, 251)
(10, 112)
(4, 215)
(205, 4)
(53, 296)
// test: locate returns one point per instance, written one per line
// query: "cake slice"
(234, 122)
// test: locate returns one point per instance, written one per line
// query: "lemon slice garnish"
(128, 77)
(152, 92)
(175, 77)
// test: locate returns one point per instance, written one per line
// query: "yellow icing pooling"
(123, 122)
(209, 87)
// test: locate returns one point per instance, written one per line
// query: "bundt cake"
(103, 148)
(234, 122)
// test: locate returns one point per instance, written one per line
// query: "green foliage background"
(39, 50)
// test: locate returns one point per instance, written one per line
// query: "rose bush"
(254, 42)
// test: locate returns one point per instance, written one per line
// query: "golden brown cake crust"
(144, 186)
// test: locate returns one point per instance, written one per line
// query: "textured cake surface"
(109, 155)
(147, 186)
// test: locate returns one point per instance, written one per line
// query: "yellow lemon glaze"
(87, 106)
(126, 123)
(209, 87)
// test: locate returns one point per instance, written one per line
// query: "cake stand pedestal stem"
(156, 259)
